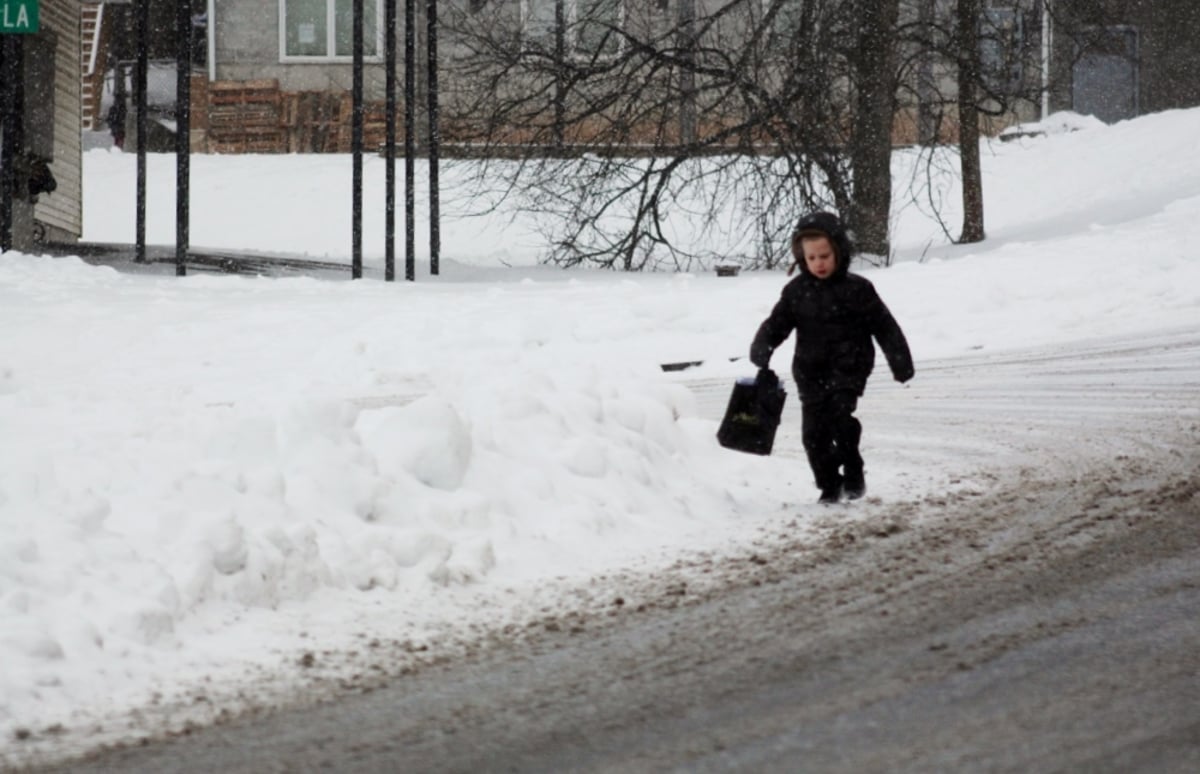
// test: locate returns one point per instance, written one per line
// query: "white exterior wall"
(62, 211)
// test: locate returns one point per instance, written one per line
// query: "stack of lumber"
(245, 117)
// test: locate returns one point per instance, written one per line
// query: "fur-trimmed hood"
(830, 225)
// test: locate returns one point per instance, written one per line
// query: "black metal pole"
(410, 103)
(389, 26)
(435, 233)
(183, 134)
(143, 58)
(356, 143)
(560, 77)
(10, 129)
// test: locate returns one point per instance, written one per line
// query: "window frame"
(330, 38)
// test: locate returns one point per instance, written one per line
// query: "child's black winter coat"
(834, 320)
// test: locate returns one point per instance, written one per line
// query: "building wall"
(62, 211)
(51, 120)
(247, 48)
(1171, 55)
(1168, 48)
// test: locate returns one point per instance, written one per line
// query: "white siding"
(62, 210)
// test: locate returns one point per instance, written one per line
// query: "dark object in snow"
(753, 414)
(686, 364)
(115, 120)
(727, 270)
(33, 177)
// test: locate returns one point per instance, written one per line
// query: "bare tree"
(966, 64)
(734, 116)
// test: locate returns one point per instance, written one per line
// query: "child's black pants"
(831, 435)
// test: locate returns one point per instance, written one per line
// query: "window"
(324, 29)
(1001, 42)
(591, 25)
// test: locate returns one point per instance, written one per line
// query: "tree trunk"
(927, 110)
(560, 76)
(871, 141)
(687, 75)
(968, 120)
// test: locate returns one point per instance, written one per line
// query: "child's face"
(819, 256)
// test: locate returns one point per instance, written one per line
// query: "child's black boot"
(831, 493)
(854, 484)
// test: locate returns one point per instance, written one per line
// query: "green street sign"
(18, 17)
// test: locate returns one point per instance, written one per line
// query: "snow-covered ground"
(220, 476)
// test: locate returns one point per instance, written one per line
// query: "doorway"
(1104, 78)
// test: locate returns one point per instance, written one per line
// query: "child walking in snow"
(834, 314)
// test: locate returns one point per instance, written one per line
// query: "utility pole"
(183, 134)
(435, 233)
(389, 195)
(11, 119)
(356, 141)
(139, 83)
(410, 143)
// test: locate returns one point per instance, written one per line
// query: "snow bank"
(190, 467)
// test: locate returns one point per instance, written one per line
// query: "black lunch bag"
(753, 413)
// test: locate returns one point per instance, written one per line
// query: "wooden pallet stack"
(374, 125)
(256, 117)
(312, 120)
(246, 117)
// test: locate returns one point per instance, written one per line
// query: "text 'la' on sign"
(18, 16)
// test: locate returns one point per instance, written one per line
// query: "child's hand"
(767, 378)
